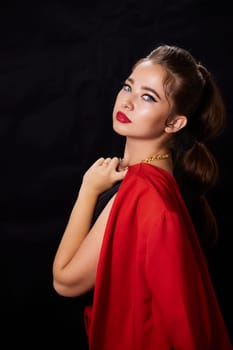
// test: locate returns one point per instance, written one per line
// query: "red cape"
(153, 289)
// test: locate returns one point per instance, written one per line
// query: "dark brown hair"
(194, 93)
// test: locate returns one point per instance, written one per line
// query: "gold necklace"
(157, 156)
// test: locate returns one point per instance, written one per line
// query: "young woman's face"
(141, 107)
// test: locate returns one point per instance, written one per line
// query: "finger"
(107, 161)
(114, 162)
(119, 175)
(99, 161)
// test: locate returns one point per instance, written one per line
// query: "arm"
(75, 262)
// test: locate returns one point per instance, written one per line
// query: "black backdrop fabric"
(61, 65)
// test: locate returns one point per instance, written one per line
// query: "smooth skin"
(75, 263)
(143, 100)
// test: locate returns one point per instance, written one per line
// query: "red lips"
(121, 117)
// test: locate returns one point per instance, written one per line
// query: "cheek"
(151, 121)
(115, 109)
(146, 114)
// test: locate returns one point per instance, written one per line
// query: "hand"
(102, 175)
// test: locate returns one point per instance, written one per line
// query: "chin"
(119, 130)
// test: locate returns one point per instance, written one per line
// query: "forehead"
(149, 74)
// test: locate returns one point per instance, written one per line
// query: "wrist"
(88, 192)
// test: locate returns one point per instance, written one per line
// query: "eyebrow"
(131, 80)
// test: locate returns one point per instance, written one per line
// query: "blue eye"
(126, 87)
(148, 98)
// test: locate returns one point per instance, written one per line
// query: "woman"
(130, 236)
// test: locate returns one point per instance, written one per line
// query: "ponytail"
(194, 94)
(197, 163)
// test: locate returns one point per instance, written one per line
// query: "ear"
(177, 123)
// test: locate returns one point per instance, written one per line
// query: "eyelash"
(151, 98)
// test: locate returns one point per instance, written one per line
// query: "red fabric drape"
(153, 289)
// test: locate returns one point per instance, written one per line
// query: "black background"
(61, 64)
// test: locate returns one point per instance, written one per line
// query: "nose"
(127, 104)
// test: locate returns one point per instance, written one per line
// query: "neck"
(136, 150)
(151, 159)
